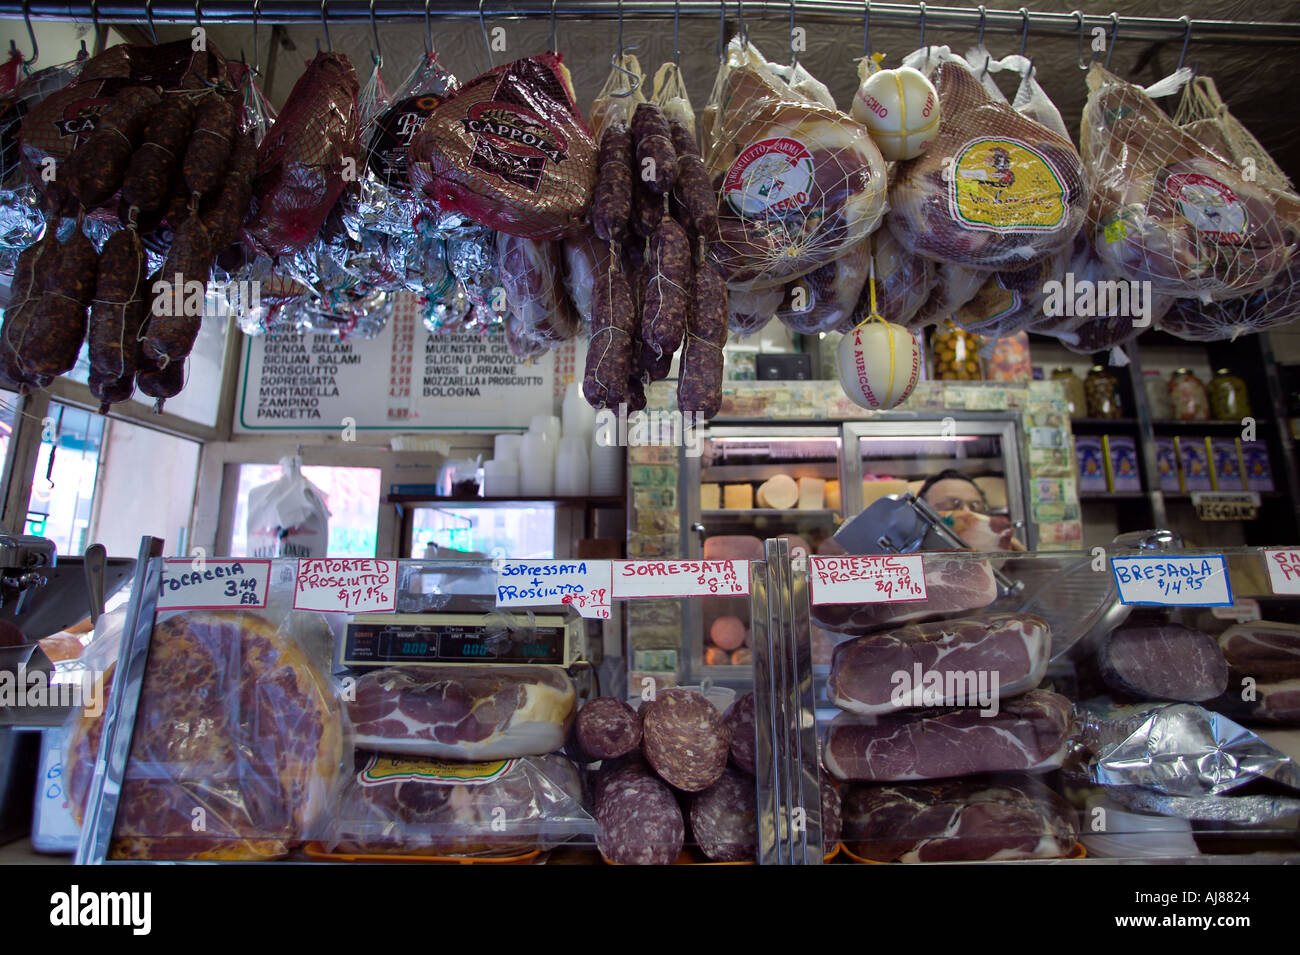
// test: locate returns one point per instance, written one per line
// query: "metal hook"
(866, 30)
(324, 22)
(94, 19)
(27, 17)
(1187, 37)
(979, 41)
(1029, 70)
(677, 13)
(148, 12)
(1078, 14)
(257, 11)
(374, 32)
(554, 45)
(487, 44)
(722, 31)
(922, 43)
(1024, 30)
(1114, 35)
(740, 22)
(428, 31)
(198, 13)
(794, 54)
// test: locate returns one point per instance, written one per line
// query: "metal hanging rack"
(1041, 23)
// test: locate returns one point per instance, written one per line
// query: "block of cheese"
(812, 494)
(779, 492)
(738, 497)
(833, 495)
(710, 497)
(873, 491)
(733, 547)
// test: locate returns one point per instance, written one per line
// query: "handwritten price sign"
(346, 585)
(876, 579)
(1167, 581)
(681, 578)
(214, 584)
(1283, 569)
(582, 584)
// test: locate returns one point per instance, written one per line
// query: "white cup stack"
(572, 476)
(578, 416)
(606, 467)
(549, 425)
(536, 465)
(505, 447)
(501, 478)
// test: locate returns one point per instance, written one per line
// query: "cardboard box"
(1194, 463)
(1225, 456)
(1092, 463)
(1122, 471)
(1167, 465)
(1256, 466)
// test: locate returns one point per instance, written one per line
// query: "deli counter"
(1137, 705)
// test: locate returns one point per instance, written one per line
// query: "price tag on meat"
(681, 578)
(346, 585)
(582, 584)
(1168, 581)
(1283, 569)
(219, 585)
(891, 578)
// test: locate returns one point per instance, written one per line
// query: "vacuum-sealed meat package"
(404, 806)
(799, 184)
(994, 189)
(510, 150)
(532, 276)
(826, 297)
(463, 712)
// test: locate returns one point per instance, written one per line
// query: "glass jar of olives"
(1228, 398)
(1074, 395)
(1101, 389)
(956, 354)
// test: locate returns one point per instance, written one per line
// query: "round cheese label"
(772, 177)
(1211, 207)
(1005, 185)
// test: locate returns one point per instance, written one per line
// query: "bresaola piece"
(1274, 703)
(952, 586)
(959, 820)
(608, 728)
(1263, 649)
(1028, 734)
(724, 818)
(739, 721)
(637, 817)
(1163, 662)
(685, 739)
(863, 678)
(464, 713)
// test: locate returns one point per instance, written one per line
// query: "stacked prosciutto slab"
(939, 707)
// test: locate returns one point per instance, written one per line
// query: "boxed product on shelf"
(738, 497)
(1092, 463)
(1256, 466)
(1225, 456)
(710, 497)
(1194, 463)
(1122, 463)
(1167, 465)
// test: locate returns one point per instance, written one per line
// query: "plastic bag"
(903, 281)
(671, 96)
(1169, 210)
(303, 160)
(235, 719)
(531, 274)
(288, 517)
(828, 295)
(510, 150)
(748, 311)
(799, 183)
(619, 97)
(1010, 301)
(422, 806)
(994, 189)
(1278, 304)
(953, 287)
(581, 263)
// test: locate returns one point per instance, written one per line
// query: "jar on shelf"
(1228, 398)
(1157, 393)
(956, 354)
(1074, 394)
(1101, 389)
(1188, 399)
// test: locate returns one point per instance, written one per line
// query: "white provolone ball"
(900, 109)
(872, 373)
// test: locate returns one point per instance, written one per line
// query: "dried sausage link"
(656, 159)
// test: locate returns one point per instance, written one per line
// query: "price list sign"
(346, 585)
(214, 584)
(1169, 581)
(886, 578)
(681, 578)
(583, 585)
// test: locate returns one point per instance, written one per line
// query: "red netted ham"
(307, 159)
(994, 189)
(953, 585)
(959, 820)
(799, 183)
(1027, 734)
(459, 712)
(510, 150)
(1014, 646)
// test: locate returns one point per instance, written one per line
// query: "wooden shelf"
(791, 513)
(1102, 425)
(410, 499)
(1112, 495)
(1176, 424)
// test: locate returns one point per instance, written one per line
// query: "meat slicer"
(22, 558)
(905, 524)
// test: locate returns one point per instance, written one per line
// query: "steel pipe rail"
(1039, 23)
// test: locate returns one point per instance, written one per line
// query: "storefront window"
(351, 494)
(521, 532)
(8, 408)
(67, 469)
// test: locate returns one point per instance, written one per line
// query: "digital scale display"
(425, 639)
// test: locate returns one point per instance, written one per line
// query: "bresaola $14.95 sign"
(681, 578)
(1170, 581)
(346, 585)
(886, 578)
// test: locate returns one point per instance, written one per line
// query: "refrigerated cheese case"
(1132, 705)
